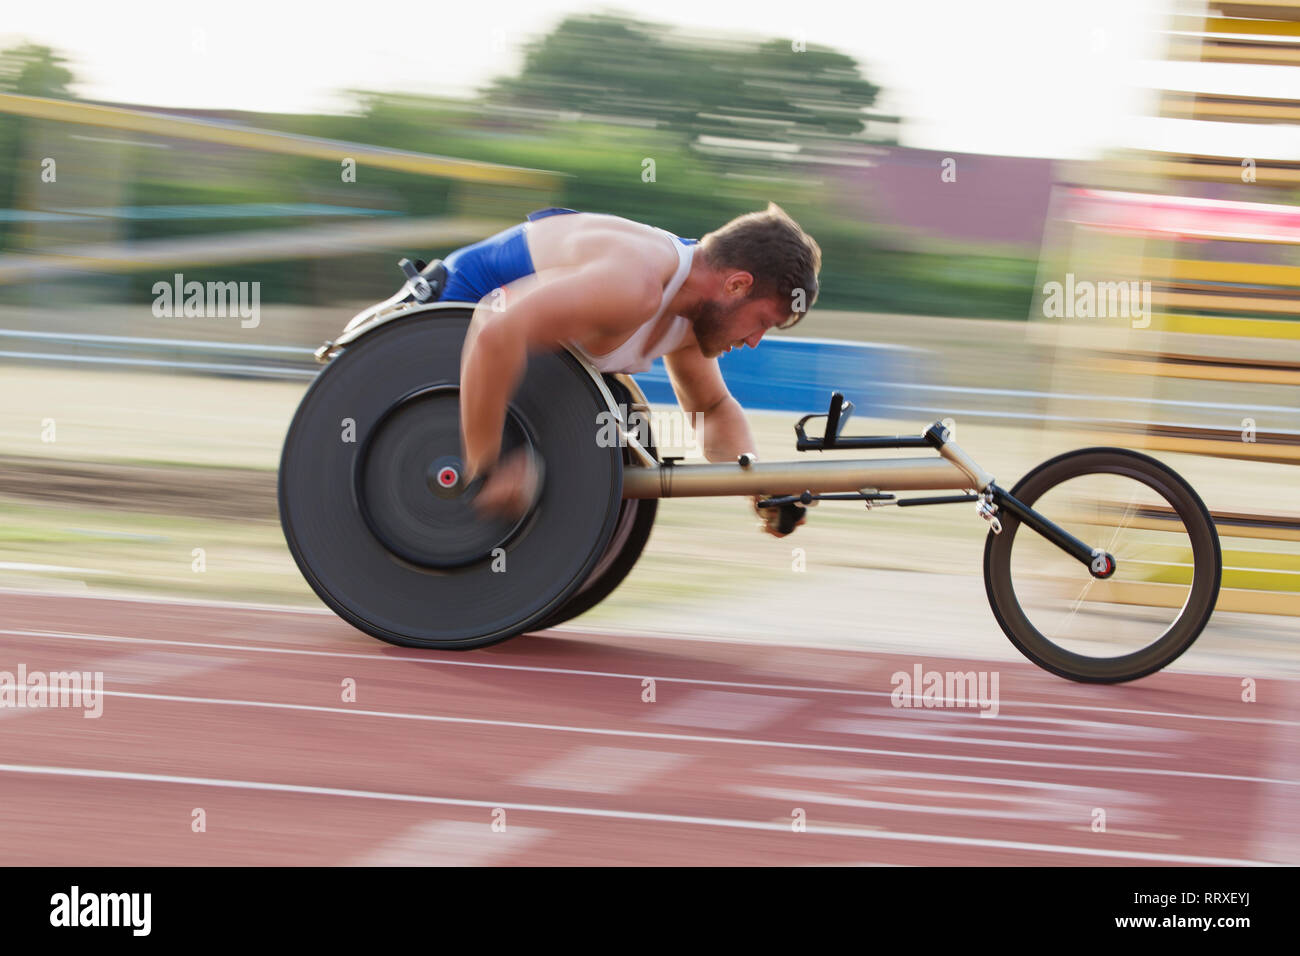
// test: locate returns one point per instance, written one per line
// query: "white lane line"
(777, 827)
(988, 663)
(1004, 724)
(442, 662)
(1049, 797)
(180, 602)
(1026, 807)
(452, 843)
(721, 710)
(155, 667)
(603, 769)
(569, 628)
(693, 738)
(50, 568)
(864, 777)
(145, 668)
(638, 677)
(882, 728)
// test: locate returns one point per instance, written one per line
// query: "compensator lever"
(835, 417)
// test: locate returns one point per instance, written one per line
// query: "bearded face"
(713, 325)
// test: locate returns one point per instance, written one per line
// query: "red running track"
(545, 750)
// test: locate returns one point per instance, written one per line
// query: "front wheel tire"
(1164, 587)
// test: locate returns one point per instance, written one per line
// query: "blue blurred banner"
(798, 375)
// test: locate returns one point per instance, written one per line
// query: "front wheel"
(1163, 589)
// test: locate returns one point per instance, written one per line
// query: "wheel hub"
(410, 484)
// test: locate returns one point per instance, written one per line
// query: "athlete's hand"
(772, 517)
(512, 487)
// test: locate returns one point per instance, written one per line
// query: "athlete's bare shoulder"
(578, 239)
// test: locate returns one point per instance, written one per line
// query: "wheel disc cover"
(326, 488)
(411, 487)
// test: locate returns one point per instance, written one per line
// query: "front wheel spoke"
(1074, 609)
(1117, 613)
(1125, 518)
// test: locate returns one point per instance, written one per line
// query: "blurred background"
(965, 171)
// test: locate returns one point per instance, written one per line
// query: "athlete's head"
(765, 270)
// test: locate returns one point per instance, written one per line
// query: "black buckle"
(426, 282)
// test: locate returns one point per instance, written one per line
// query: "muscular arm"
(725, 433)
(699, 386)
(539, 315)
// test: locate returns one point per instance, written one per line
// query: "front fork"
(1100, 564)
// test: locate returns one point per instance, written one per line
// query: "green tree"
(34, 70)
(31, 70)
(616, 66)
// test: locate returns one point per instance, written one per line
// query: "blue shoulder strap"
(549, 211)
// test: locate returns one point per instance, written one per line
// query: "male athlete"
(622, 293)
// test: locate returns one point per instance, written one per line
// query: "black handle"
(833, 420)
(790, 515)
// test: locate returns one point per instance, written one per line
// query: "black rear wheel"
(1140, 618)
(375, 508)
(635, 520)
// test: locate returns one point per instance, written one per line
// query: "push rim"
(635, 521)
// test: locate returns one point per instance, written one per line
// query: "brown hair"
(773, 248)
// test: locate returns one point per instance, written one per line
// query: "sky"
(1021, 77)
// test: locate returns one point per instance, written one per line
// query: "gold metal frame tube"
(793, 477)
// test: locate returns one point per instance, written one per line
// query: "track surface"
(239, 712)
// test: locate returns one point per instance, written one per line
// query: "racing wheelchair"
(1101, 565)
